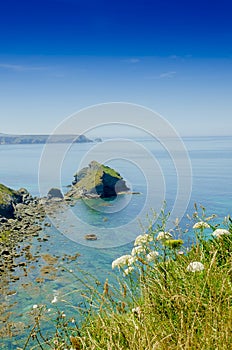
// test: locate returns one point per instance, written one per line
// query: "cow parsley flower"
(142, 239)
(162, 236)
(220, 232)
(121, 261)
(132, 260)
(137, 250)
(195, 266)
(152, 256)
(201, 225)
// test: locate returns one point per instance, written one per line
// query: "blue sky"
(57, 56)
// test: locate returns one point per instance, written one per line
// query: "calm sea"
(149, 169)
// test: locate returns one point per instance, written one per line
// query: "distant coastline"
(6, 139)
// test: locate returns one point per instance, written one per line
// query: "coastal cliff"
(42, 139)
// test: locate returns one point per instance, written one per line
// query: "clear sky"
(57, 56)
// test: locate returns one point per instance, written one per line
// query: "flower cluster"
(201, 225)
(163, 236)
(143, 251)
(195, 266)
(219, 232)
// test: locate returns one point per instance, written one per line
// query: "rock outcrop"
(8, 200)
(97, 180)
(55, 193)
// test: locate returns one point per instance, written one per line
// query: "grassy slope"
(176, 309)
(5, 192)
(94, 175)
(162, 305)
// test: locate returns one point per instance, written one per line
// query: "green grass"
(161, 304)
(93, 177)
(4, 192)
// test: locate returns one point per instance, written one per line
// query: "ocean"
(199, 172)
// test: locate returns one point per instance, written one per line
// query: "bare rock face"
(97, 180)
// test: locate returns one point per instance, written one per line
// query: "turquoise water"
(116, 223)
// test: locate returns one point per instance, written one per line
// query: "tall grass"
(162, 301)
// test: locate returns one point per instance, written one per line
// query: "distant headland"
(7, 139)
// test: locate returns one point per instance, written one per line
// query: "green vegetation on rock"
(8, 198)
(97, 179)
(4, 236)
(5, 192)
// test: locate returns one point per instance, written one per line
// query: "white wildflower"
(54, 300)
(35, 306)
(163, 236)
(143, 239)
(195, 266)
(121, 261)
(220, 232)
(152, 256)
(201, 224)
(128, 270)
(131, 260)
(136, 310)
(137, 250)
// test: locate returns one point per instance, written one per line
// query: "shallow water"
(115, 223)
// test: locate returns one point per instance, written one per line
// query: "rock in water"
(55, 193)
(97, 180)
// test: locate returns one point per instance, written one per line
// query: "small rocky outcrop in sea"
(97, 180)
(55, 193)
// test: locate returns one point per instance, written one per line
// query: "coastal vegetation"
(169, 293)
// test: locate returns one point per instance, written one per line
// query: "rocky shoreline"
(18, 258)
(24, 219)
(22, 216)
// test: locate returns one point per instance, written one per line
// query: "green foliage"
(178, 300)
(4, 236)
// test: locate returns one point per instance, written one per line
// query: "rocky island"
(97, 181)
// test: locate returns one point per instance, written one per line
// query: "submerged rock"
(97, 180)
(91, 237)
